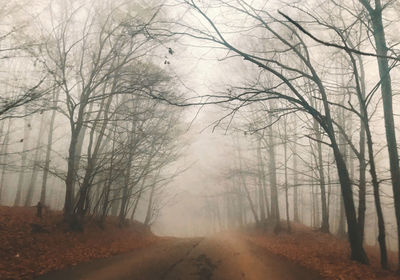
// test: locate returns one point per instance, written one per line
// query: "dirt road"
(224, 257)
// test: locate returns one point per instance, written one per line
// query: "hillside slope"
(323, 253)
(30, 246)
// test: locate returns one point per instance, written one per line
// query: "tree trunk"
(286, 176)
(275, 217)
(242, 184)
(362, 183)
(27, 131)
(341, 232)
(125, 189)
(357, 250)
(386, 90)
(149, 212)
(139, 195)
(70, 179)
(329, 184)
(78, 132)
(4, 151)
(116, 201)
(366, 132)
(261, 184)
(32, 183)
(48, 150)
(313, 208)
(295, 184)
(252, 207)
(342, 216)
(92, 152)
(378, 207)
(321, 175)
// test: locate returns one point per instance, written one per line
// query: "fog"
(195, 118)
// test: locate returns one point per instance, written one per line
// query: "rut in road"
(221, 257)
(180, 260)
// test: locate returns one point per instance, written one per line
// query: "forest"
(205, 116)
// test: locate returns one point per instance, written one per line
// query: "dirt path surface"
(223, 257)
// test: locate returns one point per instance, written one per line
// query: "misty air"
(209, 140)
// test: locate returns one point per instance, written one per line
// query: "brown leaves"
(321, 252)
(25, 254)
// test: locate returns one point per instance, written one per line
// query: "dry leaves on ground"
(321, 252)
(24, 254)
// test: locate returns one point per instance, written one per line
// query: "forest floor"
(323, 253)
(25, 253)
(303, 254)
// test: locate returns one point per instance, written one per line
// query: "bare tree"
(285, 88)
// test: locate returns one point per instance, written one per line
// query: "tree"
(350, 38)
(84, 64)
(378, 31)
(48, 149)
(284, 88)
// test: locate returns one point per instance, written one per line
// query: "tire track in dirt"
(172, 266)
(205, 267)
(221, 257)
